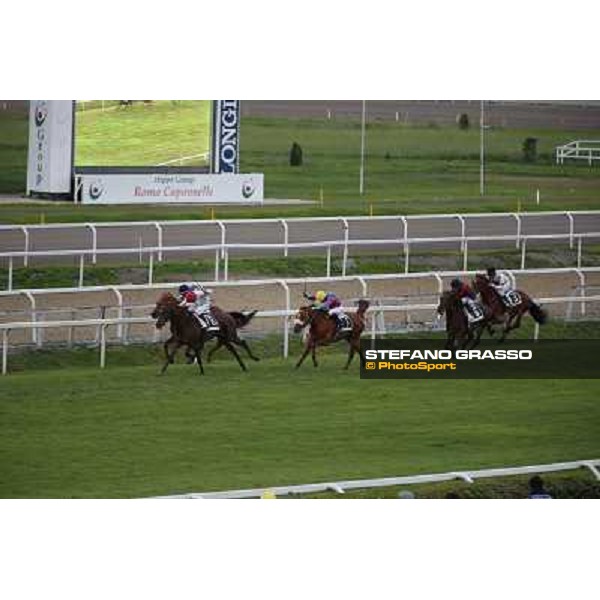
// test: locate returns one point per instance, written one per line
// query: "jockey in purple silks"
(328, 302)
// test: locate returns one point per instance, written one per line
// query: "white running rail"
(588, 150)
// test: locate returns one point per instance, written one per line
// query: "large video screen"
(142, 133)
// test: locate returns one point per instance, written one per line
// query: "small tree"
(296, 155)
(530, 149)
(463, 121)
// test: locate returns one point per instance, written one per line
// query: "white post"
(345, 255)
(151, 268)
(328, 261)
(92, 228)
(141, 252)
(5, 351)
(223, 234)
(571, 229)
(481, 154)
(26, 250)
(536, 331)
(34, 331)
(537, 196)
(362, 148)
(462, 230)
(285, 236)
(119, 296)
(81, 264)
(10, 274)
(226, 266)
(523, 250)
(103, 346)
(286, 330)
(465, 255)
(217, 264)
(579, 244)
(159, 235)
(518, 218)
(406, 257)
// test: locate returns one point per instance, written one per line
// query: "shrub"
(530, 149)
(463, 121)
(296, 155)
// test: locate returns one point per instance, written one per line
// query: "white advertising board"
(171, 188)
(50, 158)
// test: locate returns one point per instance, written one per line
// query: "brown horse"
(323, 331)
(186, 331)
(460, 333)
(508, 317)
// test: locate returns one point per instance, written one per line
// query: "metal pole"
(151, 269)
(465, 255)
(10, 274)
(579, 244)
(481, 154)
(226, 266)
(81, 263)
(285, 237)
(217, 264)
(523, 250)
(362, 148)
(26, 255)
(345, 256)
(5, 351)
(286, 329)
(103, 346)
(328, 261)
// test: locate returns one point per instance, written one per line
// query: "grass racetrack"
(70, 430)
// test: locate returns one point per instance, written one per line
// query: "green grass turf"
(409, 169)
(68, 429)
(142, 134)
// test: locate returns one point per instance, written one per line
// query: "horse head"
(164, 309)
(480, 282)
(302, 318)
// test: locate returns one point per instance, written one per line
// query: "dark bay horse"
(323, 331)
(508, 317)
(460, 333)
(186, 331)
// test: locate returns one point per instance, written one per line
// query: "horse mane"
(167, 298)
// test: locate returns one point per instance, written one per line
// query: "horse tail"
(241, 319)
(537, 312)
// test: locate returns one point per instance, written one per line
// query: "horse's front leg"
(170, 355)
(314, 355)
(198, 353)
(354, 348)
(308, 346)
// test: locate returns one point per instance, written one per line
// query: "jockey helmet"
(491, 271)
(183, 288)
(320, 296)
(455, 283)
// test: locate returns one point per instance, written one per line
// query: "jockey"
(197, 299)
(328, 302)
(467, 297)
(501, 283)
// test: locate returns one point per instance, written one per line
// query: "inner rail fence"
(283, 315)
(340, 487)
(223, 251)
(282, 234)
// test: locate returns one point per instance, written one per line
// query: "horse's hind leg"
(233, 351)
(244, 344)
(198, 353)
(313, 354)
(213, 350)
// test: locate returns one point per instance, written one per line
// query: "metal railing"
(220, 229)
(283, 314)
(588, 150)
(223, 250)
(340, 487)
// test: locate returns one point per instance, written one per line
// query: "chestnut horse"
(458, 329)
(323, 331)
(186, 331)
(507, 316)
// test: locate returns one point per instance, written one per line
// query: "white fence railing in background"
(340, 487)
(346, 224)
(182, 159)
(283, 314)
(588, 150)
(223, 250)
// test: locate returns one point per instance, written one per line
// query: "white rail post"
(363, 283)
(465, 255)
(223, 236)
(328, 261)
(285, 237)
(518, 218)
(10, 274)
(5, 351)
(581, 276)
(70, 330)
(373, 328)
(346, 236)
(26, 249)
(462, 231)
(159, 239)
(286, 329)
(404, 234)
(81, 267)
(151, 268)
(119, 296)
(579, 244)
(34, 331)
(226, 265)
(440, 283)
(406, 257)
(536, 331)
(571, 229)
(92, 228)
(217, 264)
(523, 251)
(103, 345)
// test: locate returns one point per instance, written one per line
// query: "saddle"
(512, 299)
(207, 321)
(344, 322)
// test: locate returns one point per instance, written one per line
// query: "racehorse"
(509, 317)
(460, 333)
(323, 331)
(186, 331)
